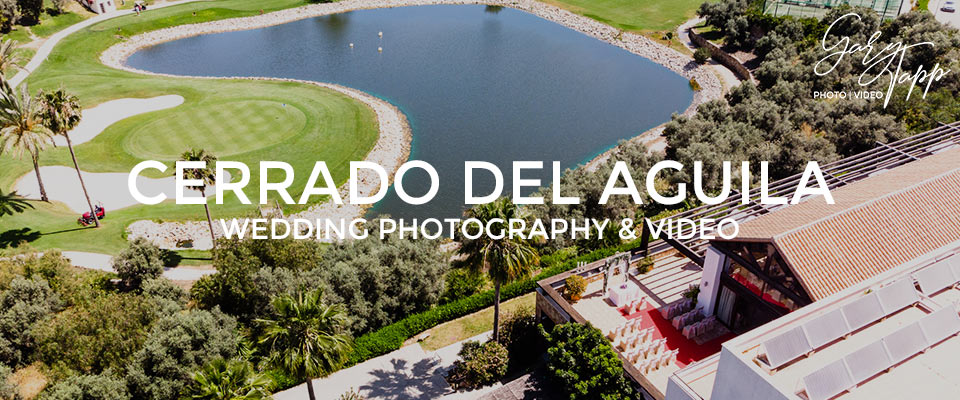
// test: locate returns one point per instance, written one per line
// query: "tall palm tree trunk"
(93, 212)
(312, 395)
(496, 312)
(206, 207)
(36, 168)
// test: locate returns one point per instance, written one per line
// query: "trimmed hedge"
(391, 337)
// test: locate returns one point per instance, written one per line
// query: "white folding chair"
(647, 334)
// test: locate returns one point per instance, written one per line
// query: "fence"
(888, 9)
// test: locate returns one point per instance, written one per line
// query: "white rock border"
(393, 146)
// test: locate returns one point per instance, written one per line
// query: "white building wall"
(101, 6)
(710, 281)
(737, 380)
(677, 390)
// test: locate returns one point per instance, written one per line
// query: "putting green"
(235, 119)
(223, 128)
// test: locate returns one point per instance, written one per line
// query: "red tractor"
(87, 219)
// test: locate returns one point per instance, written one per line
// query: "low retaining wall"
(721, 56)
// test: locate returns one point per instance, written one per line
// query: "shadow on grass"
(15, 237)
(170, 258)
(69, 230)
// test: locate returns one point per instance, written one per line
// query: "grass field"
(474, 324)
(240, 120)
(632, 15)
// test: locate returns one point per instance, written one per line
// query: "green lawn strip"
(283, 121)
(24, 55)
(21, 34)
(474, 324)
(52, 24)
(632, 15)
(392, 337)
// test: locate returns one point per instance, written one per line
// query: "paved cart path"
(52, 41)
(102, 262)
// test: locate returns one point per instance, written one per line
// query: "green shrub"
(610, 237)
(391, 337)
(352, 395)
(7, 389)
(701, 55)
(479, 365)
(519, 334)
(574, 286)
(29, 11)
(692, 292)
(645, 264)
(95, 336)
(87, 387)
(178, 345)
(581, 361)
(460, 283)
(139, 262)
(24, 306)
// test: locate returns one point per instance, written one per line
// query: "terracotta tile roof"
(850, 196)
(874, 225)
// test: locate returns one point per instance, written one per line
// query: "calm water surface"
(476, 83)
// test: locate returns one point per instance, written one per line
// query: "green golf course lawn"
(632, 15)
(224, 128)
(239, 120)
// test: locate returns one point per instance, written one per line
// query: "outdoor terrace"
(663, 285)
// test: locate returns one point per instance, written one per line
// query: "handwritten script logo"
(878, 62)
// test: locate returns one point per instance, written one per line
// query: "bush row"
(391, 337)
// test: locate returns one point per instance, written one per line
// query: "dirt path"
(726, 76)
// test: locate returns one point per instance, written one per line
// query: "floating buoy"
(380, 49)
(381, 33)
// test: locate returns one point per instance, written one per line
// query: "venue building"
(891, 336)
(896, 211)
(100, 6)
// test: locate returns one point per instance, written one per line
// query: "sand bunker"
(98, 118)
(107, 188)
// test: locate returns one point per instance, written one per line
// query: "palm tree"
(8, 58)
(228, 380)
(306, 336)
(12, 203)
(22, 129)
(503, 260)
(206, 175)
(61, 113)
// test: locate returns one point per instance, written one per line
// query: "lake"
(476, 83)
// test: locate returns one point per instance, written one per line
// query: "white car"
(948, 7)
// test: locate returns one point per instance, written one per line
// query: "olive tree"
(87, 387)
(381, 281)
(26, 303)
(139, 262)
(177, 346)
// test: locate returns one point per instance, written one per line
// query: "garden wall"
(721, 56)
